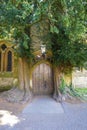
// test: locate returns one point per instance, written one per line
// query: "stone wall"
(79, 79)
(39, 33)
(8, 79)
(5, 82)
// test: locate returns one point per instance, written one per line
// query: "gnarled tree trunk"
(57, 81)
(24, 78)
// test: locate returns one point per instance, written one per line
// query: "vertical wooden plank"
(42, 79)
(40, 76)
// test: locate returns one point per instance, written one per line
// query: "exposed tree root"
(16, 95)
(68, 95)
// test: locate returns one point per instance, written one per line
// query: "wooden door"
(42, 80)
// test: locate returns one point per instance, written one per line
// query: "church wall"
(79, 79)
(8, 79)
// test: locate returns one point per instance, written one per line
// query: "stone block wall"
(38, 34)
(8, 79)
(5, 83)
(79, 79)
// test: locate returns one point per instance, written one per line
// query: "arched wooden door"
(42, 80)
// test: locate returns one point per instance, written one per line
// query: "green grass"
(82, 91)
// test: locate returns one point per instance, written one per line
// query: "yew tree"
(67, 27)
(67, 30)
(69, 41)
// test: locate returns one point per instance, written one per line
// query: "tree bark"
(24, 78)
(57, 81)
(21, 74)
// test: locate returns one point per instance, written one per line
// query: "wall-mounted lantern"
(43, 49)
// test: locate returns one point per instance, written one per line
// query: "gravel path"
(70, 117)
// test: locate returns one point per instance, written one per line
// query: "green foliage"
(23, 44)
(82, 91)
(67, 28)
(70, 91)
(85, 65)
(54, 29)
(69, 42)
(16, 18)
(62, 86)
(67, 53)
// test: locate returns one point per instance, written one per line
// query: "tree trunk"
(21, 74)
(24, 78)
(57, 81)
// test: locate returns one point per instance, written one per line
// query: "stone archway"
(42, 80)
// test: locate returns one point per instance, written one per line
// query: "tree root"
(16, 95)
(67, 95)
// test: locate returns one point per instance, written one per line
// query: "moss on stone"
(5, 88)
(6, 74)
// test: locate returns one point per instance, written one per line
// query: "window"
(6, 59)
(9, 61)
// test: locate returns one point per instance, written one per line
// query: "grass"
(82, 92)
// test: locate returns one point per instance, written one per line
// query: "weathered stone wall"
(9, 79)
(6, 81)
(79, 79)
(39, 32)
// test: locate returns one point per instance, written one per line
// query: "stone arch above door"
(42, 79)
